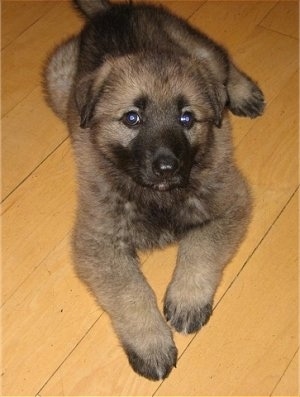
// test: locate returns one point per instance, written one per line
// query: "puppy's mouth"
(162, 186)
(167, 185)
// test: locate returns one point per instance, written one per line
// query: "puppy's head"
(150, 116)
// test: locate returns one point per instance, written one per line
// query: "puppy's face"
(151, 117)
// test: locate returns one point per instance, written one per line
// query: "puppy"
(146, 100)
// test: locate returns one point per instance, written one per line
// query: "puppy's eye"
(187, 119)
(131, 119)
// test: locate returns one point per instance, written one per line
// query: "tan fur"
(169, 177)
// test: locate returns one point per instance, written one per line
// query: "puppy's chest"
(155, 226)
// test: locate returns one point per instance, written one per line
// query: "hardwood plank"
(30, 50)
(219, 19)
(26, 143)
(182, 8)
(31, 216)
(270, 59)
(41, 326)
(275, 59)
(271, 166)
(17, 16)
(268, 157)
(213, 363)
(276, 141)
(283, 18)
(289, 383)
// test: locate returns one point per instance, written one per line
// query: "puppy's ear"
(88, 92)
(218, 99)
(85, 99)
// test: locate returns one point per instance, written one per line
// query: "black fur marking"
(182, 102)
(141, 102)
(111, 33)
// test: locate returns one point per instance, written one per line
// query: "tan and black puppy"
(146, 100)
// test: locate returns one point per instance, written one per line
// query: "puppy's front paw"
(187, 319)
(155, 362)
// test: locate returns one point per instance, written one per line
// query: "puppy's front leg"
(202, 255)
(114, 277)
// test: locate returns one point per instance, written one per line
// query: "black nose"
(165, 164)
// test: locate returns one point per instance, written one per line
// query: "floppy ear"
(85, 100)
(218, 99)
(88, 92)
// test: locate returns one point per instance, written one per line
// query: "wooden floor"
(56, 341)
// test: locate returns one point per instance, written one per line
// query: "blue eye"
(131, 119)
(187, 119)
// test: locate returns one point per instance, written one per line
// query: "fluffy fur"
(146, 100)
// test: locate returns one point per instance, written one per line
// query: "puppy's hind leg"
(245, 98)
(59, 74)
